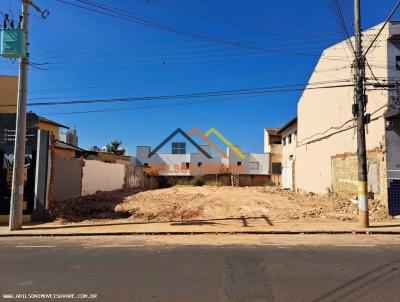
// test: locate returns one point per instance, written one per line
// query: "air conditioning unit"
(12, 43)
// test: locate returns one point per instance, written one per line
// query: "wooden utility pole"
(359, 112)
(17, 191)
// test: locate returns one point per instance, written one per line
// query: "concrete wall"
(67, 178)
(134, 177)
(8, 93)
(323, 113)
(101, 176)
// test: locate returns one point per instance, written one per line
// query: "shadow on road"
(243, 219)
(363, 284)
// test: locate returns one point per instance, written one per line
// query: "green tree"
(95, 148)
(114, 148)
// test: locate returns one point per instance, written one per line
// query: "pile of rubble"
(213, 202)
(97, 206)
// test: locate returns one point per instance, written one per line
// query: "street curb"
(312, 232)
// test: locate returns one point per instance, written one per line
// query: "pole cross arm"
(43, 12)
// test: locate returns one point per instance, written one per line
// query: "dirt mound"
(97, 206)
(212, 202)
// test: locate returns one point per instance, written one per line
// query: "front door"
(287, 174)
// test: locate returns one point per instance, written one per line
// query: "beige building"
(326, 142)
(289, 139)
(273, 147)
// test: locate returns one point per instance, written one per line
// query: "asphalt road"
(134, 270)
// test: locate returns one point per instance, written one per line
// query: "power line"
(168, 105)
(264, 17)
(193, 12)
(336, 9)
(136, 108)
(116, 13)
(383, 26)
(339, 128)
(244, 91)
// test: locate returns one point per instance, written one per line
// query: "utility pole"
(359, 112)
(17, 191)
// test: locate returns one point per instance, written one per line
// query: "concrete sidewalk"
(254, 225)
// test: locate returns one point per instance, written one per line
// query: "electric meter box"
(12, 43)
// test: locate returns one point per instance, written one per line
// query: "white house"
(180, 162)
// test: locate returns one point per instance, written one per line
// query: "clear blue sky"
(95, 56)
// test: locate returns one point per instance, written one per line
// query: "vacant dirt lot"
(211, 202)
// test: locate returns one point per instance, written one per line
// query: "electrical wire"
(336, 9)
(263, 17)
(383, 26)
(339, 128)
(193, 12)
(244, 91)
(98, 8)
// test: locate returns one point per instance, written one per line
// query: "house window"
(254, 165)
(397, 62)
(290, 139)
(145, 165)
(239, 163)
(199, 164)
(284, 141)
(276, 168)
(276, 141)
(185, 166)
(178, 148)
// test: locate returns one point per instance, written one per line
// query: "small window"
(276, 168)
(290, 139)
(239, 163)
(145, 165)
(185, 166)
(276, 141)
(254, 165)
(284, 141)
(178, 148)
(199, 164)
(397, 62)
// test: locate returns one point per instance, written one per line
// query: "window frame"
(178, 148)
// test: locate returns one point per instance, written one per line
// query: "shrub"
(214, 183)
(198, 181)
(164, 182)
(151, 171)
(270, 183)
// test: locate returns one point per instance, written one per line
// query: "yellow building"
(9, 94)
(51, 126)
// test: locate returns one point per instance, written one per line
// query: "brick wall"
(344, 174)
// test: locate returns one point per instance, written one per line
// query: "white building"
(289, 141)
(179, 162)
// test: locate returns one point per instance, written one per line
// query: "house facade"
(273, 147)
(180, 162)
(288, 135)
